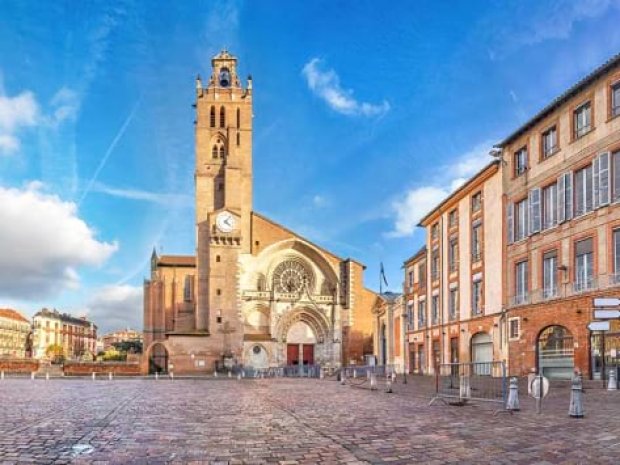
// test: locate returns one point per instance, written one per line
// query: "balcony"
(521, 299)
(584, 285)
(550, 293)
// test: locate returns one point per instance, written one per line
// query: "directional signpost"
(598, 326)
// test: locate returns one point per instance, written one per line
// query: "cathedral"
(255, 293)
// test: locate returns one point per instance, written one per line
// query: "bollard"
(94, 376)
(230, 374)
(388, 385)
(513, 396)
(171, 376)
(354, 373)
(215, 373)
(321, 374)
(238, 376)
(110, 376)
(373, 382)
(575, 409)
(32, 376)
(156, 376)
(47, 376)
(464, 387)
(343, 378)
(405, 378)
(2, 375)
(243, 373)
(393, 377)
(612, 385)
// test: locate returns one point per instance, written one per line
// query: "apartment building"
(76, 335)
(388, 330)
(107, 341)
(562, 193)
(14, 334)
(452, 291)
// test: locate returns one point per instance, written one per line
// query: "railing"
(584, 285)
(521, 299)
(476, 256)
(362, 371)
(290, 371)
(550, 293)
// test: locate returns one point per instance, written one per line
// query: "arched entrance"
(304, 337)
(158, 359)
(300, 344)
(482, 353)
(555, 352)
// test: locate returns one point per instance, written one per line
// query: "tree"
(55, 352)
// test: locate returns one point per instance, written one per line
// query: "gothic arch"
(317, 322)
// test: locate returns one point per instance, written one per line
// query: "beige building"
(388, 330)
(107, 341)
(77, 336)
(256, 293)
(14, 334)
(562, 188)
(452, 292)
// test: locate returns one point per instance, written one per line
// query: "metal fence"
(362, 371)
(291, 371)
(459, 383)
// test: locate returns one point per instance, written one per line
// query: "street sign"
(607, 302)
(598, 326)
(606, 314)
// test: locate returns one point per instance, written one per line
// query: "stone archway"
(158, 358)
(304, 337)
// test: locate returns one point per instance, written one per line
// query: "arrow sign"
(598, 326)
(606, 314)
(607, 302)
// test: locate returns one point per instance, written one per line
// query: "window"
(584, 265)
(513, 328)
(410, 316)
(238, 118)
(616, 248)
(453, 254)
(435, 231)
(582, 120)
(476, 298)
(410, 278)
(550, 274)
(476, 202)
(187, 289)
(453, 304)
(549, 142)
(615, 99)
(238, 139)
(521, 220)
(212, 117)
(521, 282)
(549, 206)
(421, 314)
(616, 176)
(435, 309)
(422, 275)
(435, 265)
(476, 244)
(453, 218)
(583, 190)
(520, 161)
(222, 117)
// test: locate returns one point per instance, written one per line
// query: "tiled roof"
(12, 314)
(177, 260)
(561, 99)
(65, 317)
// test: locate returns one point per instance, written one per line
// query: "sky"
(365, 117)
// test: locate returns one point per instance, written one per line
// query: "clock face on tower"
(291, 276)
(224, 77)
(225, 222)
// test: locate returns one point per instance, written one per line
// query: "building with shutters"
(388, 330)
(62, 335)
(452, 299)
(562, 193)
(14, 334)
(256, 293)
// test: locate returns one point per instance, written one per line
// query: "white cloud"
(415, 203)
(170, 200)
(66, 105)
(44, 243)
(325, 84)
(16, 113)
(115, 307)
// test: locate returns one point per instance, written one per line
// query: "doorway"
(158, 360)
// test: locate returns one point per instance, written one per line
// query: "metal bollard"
(464, 387)
(215, 374)
(2, 375)
(343, 378)
(47, 376)
(230, 374)
(575, 409)
(513, 396)
(171, 376)
(388, 385)
(354, 373)
(239, 377)
(612, 384)
(321, 374)
(156, 376)
(110, 376)
(405, 377)
(393, 377)
(373, 382)
(243, 373)
(94, 376)
(32, 376)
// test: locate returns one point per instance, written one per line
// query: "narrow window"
(453, 254)
(583, 191)
(422, 275)
(550, 142)
(453, 219)
(238, 139)
(217, 258)
(435, 265)
(520, 161)
(514, 328)
(582, 120)
(615, 99)
(435, 231)
(476, 244)
(435, 310)
(476, 298)
(616, 175)
(476, 202)
(550, 202)
(421, 314)
(550, 280)
(238, 118)
(521, 218)
(616, 246)
(222, 151)
(214, 151)
(187, 289)
(521, 283)
(454, 293)
(222, 117)
(212, 118)
(584, 265)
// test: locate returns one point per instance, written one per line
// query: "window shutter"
(603, 179)
(510, 213)
(568, 194)
(561, 199)
(595, 182)
(534, 208)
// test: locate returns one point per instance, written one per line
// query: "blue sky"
(365, 117)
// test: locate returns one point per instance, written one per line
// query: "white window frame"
(582, 112)
(510, 336)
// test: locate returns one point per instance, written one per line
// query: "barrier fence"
(459, 383)
(360, 371)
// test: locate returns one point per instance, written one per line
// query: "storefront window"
(605, 351)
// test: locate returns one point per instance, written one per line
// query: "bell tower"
(223, 182)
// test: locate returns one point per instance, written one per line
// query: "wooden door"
(308, 354)
(292, 354)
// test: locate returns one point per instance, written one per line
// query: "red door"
(308, 354)
(292, 354)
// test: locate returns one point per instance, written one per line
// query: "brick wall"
(82, 368)
(19, 366)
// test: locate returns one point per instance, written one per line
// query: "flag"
(382, 278)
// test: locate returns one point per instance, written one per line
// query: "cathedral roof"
(176, 260)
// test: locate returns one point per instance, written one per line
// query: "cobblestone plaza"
(289, 421)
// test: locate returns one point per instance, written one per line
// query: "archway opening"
(555, 351)
(300, 344)
(158, 359)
